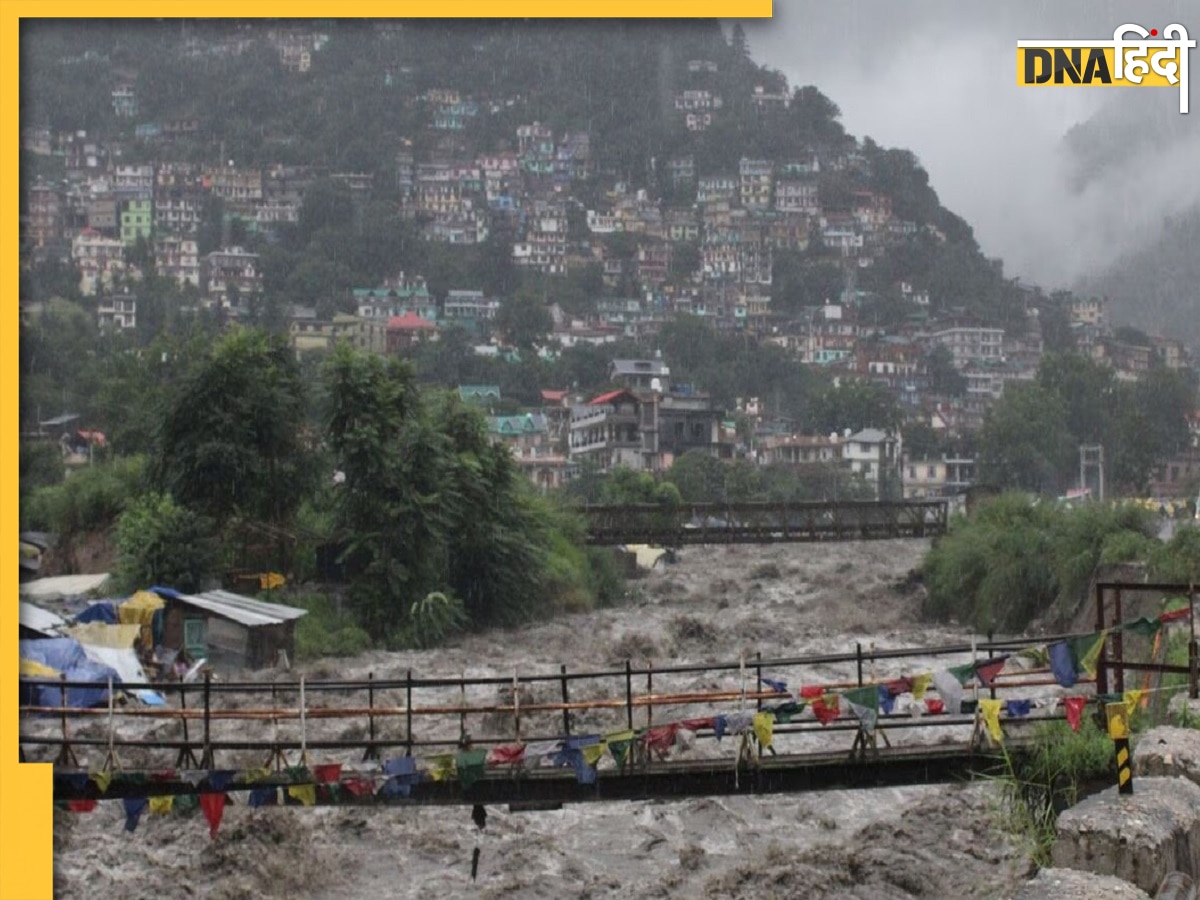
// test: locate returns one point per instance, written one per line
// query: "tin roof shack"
(229, 630)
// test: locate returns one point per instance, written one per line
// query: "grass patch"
(1050, 776)
(325, 631)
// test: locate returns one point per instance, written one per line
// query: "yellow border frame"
(26, 811)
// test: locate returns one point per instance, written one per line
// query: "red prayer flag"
(697, 724)
(81, 805)
(506, 754)
(327, 772)
(826, 708)
(214, 807)
(936, 707)
(899, 686)
(1074, 707)
(661, 738)
(1175, 615)
(812, 692)
(359, 787)
(987, 671)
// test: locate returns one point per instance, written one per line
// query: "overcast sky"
(939, 78)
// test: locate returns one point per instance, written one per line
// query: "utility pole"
(1092, 456)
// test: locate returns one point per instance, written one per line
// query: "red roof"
(553, 396)
(409, 322)
(609, 397)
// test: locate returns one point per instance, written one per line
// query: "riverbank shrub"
(1021, 558)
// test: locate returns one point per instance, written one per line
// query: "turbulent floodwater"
(714, 604)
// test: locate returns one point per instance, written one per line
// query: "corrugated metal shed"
(243, 610)
(40, 620)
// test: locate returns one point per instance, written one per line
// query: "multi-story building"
(971, 344)
(46, 202)
(124, 101)
(229, 276)
(133, 182)
(137, 221)
(99, 260)
(873, 455)
(177, 258)
(117, 312)
(236, 185)
(755, 177)
(470, 309)
(179, 214)
(397, 296)
(796, 196)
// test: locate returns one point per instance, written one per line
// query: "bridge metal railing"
(417, 714)
(764, 522)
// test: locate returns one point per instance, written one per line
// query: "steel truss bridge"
(764, 523)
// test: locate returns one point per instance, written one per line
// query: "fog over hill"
(1059, 183)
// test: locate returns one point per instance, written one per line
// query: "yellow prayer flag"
(592, 753)
(442, 767)
(305, 793)
(990, 711)
(1132, 700)
(764, 728)
(920, 684)
(1092, 657)
(102, 777)
(160, 806)
(618, 737)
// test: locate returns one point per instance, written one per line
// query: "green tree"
(1025, 443)
(525, 322)
(230, 441)
(161, 542)
(943, 376)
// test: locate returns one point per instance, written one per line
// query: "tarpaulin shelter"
(101, 611)
(113, 646)
(39, 623)
(144, 609)
(62, 656)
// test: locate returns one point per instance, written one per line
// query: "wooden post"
(185, 753)
(1193, 648)
(629, 694)
(1118, 643)
(408, 713)
(372, 750)
(758, 677)
(206, 757)
(859, 659)
(566, 713)
(303, 725)
(991, 655)
(1102, 661)
(516, 709)
(649, 692)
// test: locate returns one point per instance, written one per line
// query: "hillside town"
(707, 245)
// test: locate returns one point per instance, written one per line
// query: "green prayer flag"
(1144, 626)
(299, 774)
(619, 750)
(470, 766)
(1085, 651)
(867, 697)
(963, 673)
(185, 803)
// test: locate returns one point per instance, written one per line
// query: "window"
(933, 472)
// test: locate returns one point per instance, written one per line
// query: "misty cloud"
(940, 79)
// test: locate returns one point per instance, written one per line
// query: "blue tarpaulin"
(102, 611)
(64, 655)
